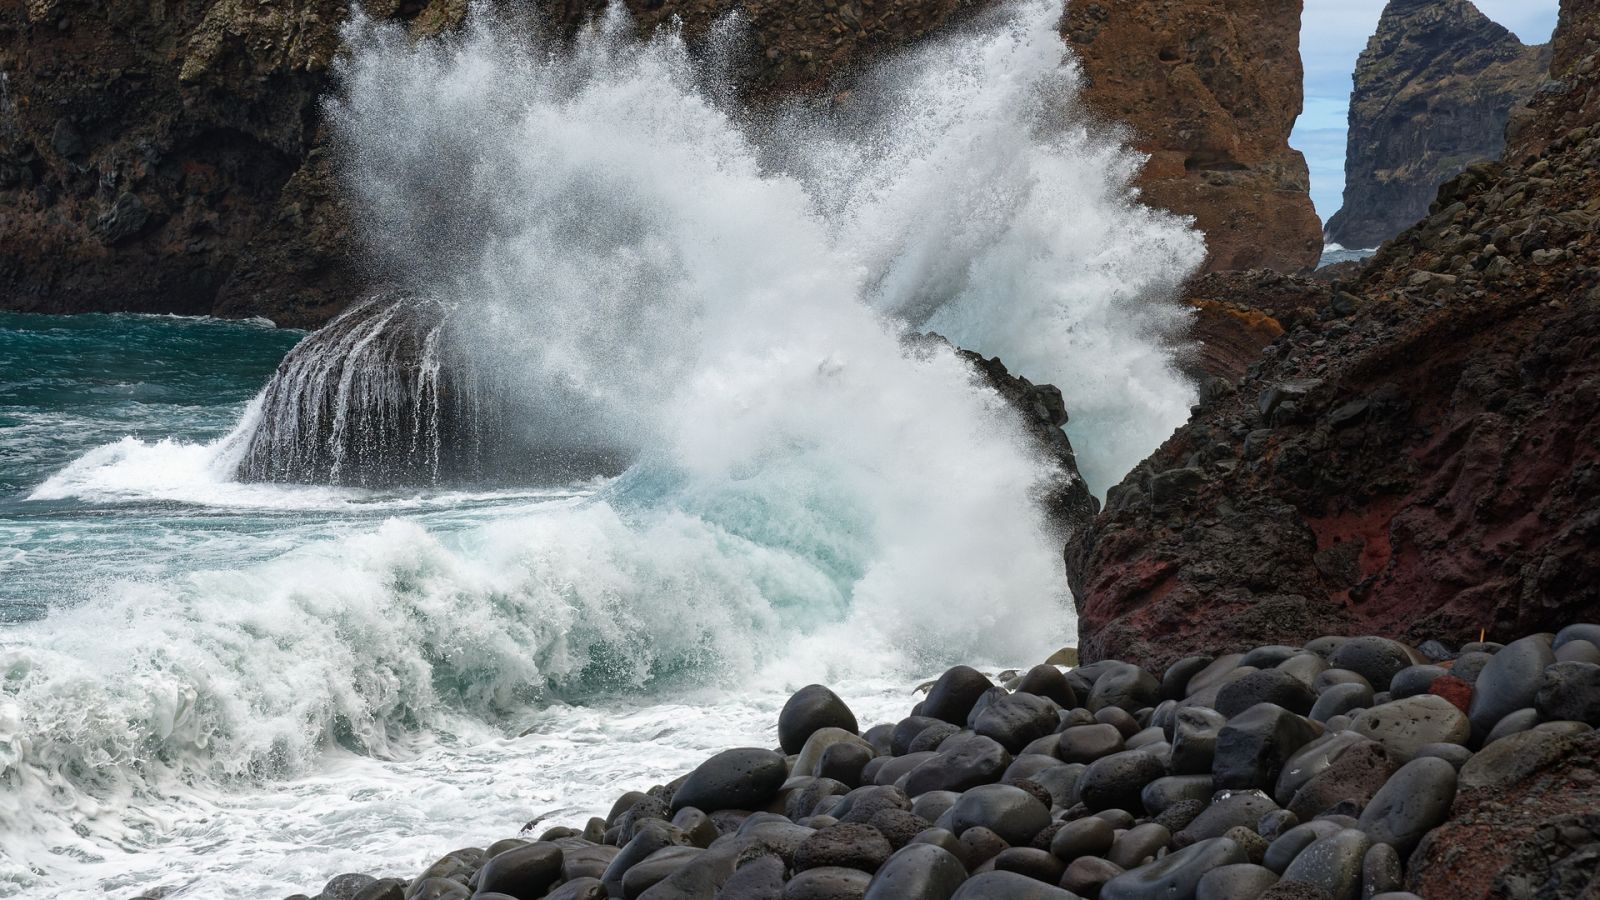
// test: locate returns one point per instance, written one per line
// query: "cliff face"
(1433, 92)
(1210, 89)
(167, 155)
(1421, 458)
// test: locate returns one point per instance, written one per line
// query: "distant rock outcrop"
(170, 157)
(1433, 92)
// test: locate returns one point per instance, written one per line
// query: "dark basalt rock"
(525, 871)
(966, 762)
(847, 846)
(1117, 781)
(746, 778)
(1570, 691)
(1008, 886)
(1415, 800)
(1253, 746)
(827, 884)
(1332, 863)
(811, 709)
(918, 872)
(1017, 719)
(1509, 682)
(952, 696)
(1010, 812)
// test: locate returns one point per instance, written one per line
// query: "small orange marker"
(1482, 633)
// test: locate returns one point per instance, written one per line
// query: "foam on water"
(666, 273)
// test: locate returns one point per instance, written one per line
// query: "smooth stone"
(1582, 631)
(1435, 651)
(1253, 747)
(1087, 743)
(1265, 686)
(1304, 667)
(1147, 737)
(1212, 675)
(1086, 875)
(593, 889)
(380, 889)
(1175, 681)
(654, 869)
(907, 729)
(1414, 680)
(1061, 783)
(1564, 727)
(1239, 881)
(809, 710)
(900, 766)
(1126, 687)
(692, 822)
(1415, 801)
(1163, 793)
(944, 840)
(760, 878)
(1039, 865)
(879, 736)
(1083, 837)
(1229, 809)
(1509, 682)
(1008, 886)
(1117, 781)
(827, 884)
(1294, 890)
(1470, 664)
(819, 741)
(920, 871)
(438, 889)
(1347, 784)
(1269, 656)
(1028, 765)
(1139, 843)
(1578, 651)
(1045, 746)
(1194, 739)
(1017, 719)
(931, 737)
(802, 798)
(1405, 726)
(1512, 723)
(1381, 871)
(845, 762)
(1327, 678)
(1276, 823)
(1176, 875)
(745, 778)
(934, 804)
(1010, 812)
(1454, 754)
(1333, 863)
(1396, 895)
(988, 698)
(952, 696)
(1339, 700)
(861, 804)
(1125, 722)
(1376, 659)
(1570, 691)
(1283, 851)
(593, 860)
(1048, 682)
(962, 763)
(524, 871)
(1119, 818)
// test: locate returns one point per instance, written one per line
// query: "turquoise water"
(69, 384)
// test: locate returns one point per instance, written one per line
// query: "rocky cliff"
(1421, 458)
(167, 155)
(1433, 92)
(1210, 89)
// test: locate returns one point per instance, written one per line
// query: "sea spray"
(806, 494)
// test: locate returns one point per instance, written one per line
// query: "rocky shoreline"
(1352, 768)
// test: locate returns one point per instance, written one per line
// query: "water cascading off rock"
(371, 400)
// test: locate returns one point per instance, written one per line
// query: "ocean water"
(1337, 253)
(236, 689)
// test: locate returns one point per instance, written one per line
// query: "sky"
(1333, 34)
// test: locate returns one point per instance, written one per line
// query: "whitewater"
(243, 689)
